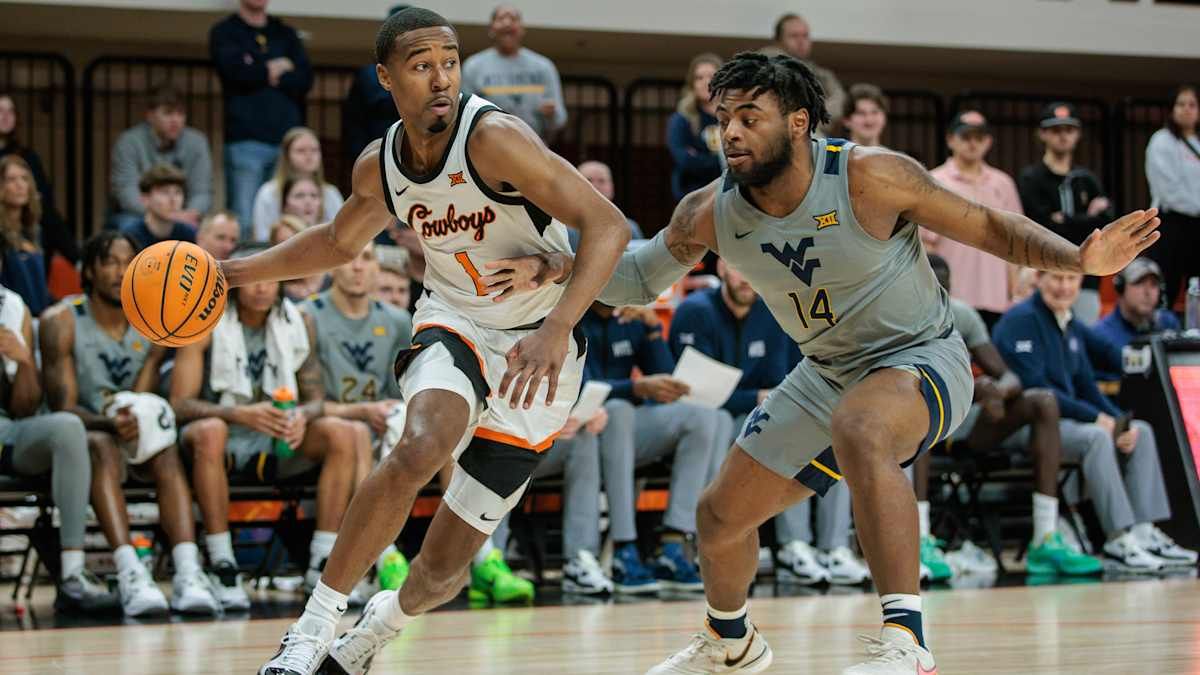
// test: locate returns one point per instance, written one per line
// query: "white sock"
(923, 517)
(220, 547)
(125, 557)
(325, 604)
(483, 552)
(320, 547)
(386, 552)
(186, 556)
(393, 617)
(1045, 516)
(71, 562)
(1143, 532)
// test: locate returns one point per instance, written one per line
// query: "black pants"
(1177, 252)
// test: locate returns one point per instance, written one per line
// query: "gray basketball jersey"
(847, 298)
(104, 366)
(357, 355)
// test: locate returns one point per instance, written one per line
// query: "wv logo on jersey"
(793, 258)
(755, 422)
(360, 354)
(825, 220)
(255, 363)
(117, 367)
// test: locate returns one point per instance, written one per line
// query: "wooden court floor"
(1132, 627)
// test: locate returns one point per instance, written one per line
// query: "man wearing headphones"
(1140, 306)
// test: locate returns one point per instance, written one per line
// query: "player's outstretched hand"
(535, 356)
(524, 273)
(1108, 251)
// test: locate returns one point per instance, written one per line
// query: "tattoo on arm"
(682, 229)
(1027, 243)
(308, 378)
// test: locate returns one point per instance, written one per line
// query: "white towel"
(287, 347)
(12, 317)
(156, 424)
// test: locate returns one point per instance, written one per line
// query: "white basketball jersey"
(463, 223)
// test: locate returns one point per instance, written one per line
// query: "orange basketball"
(173, 293)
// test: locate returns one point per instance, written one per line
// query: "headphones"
(1119, 283)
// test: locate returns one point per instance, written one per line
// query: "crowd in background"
(74, 389)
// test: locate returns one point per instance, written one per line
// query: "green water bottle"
(284, 399)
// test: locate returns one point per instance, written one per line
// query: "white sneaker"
(844, 567)
(926, 573)
(1162, 546)
(302, 649)
(971, 559)
(228, 584)
(1125, 553)
(709, 654)
(194, 594)
(893, 653)
(139, 594)
(364, 590)
(352, 652)
(582, 574)
(796, 563)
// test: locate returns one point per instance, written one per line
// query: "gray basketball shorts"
(790, 432)
(251, 456)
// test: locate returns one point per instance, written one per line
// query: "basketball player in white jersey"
(477, 185)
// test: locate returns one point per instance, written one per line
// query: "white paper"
(711, 382)
(593, 396)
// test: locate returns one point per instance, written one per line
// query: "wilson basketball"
(173, 293)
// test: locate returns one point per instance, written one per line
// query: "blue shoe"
(629, 575)
(674, 571)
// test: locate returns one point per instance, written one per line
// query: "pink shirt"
(977, 278)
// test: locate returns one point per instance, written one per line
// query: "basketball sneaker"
(893, 653)
(582, 574)
(352, 652)
(844, 567)
(1126, 554)
(934, 558)
(194, 594)
(796, 563)
(227, 582)
(393, 571)
(494, 581)
(971, 560)
(84, 591)
(1158, 543)
(302, 649)
(1052, 556)
(139, 594)
(707, 653)
(629, 574)
(674, 571)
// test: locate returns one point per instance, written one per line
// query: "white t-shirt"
(268, 207)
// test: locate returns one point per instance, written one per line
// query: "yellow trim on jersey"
(502, 89)
(832, 474)
(833, 148)
(941, 407)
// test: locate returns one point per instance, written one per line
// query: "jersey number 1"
(469, 267)
(820, 308)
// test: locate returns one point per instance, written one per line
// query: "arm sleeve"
(679, 142)
(231, 64)
(643, 273)
(125, 176)
(296, 83)
(199, 177)
(1030, 366)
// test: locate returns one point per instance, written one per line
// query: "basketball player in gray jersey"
(824, 232)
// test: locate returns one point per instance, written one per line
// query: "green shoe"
(393, 571)
(494, 580)
(1053, 556)
(933, 557)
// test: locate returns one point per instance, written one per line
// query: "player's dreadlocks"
(789, 79)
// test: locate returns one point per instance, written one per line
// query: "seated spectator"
(98, 367)
(53, 444)
(162, 196)
(218, 234)
(163, 138)
(1173, 171)
(600, 176)
(1026, 284)
(793, 36)
(57, 236)
(693, 135)
(647, 422)
(302, 198)
(1139, 309)
(24, 268)
(981, 280)
(368, 110)
(519, 80)
(732, 324)
(222, 391)
(299, 163)
(393, 286)
(295, 289)
(865, 115)
(1004, 414)
(1045, 347)
(357, 340)
(1064, 197)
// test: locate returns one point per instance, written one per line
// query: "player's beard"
(107, 298)
(439, 125)
(760, 174)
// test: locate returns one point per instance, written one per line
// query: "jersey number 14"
(820, 309)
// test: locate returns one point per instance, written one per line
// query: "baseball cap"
(1139, 269)
(969, 120)
(1059, 114)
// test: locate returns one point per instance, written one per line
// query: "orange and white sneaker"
(708, 653)
(893, 653)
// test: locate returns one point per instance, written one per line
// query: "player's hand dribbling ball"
(173, 293)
